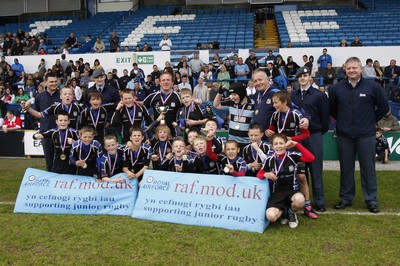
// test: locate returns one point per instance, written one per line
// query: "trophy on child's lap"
(162, 110)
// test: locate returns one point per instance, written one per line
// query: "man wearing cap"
(315, 104)
(241, 112)
(110, 94)
(357, 104)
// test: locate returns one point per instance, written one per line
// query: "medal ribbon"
(161, 151)
(239, 115)
(97, 114)
(284, 121)
(253, 151)
(166, 99)
(133, 155)
(280, 165)
(80, 151)
(131, 114)
(115, 163)
(66, 107)
(259, 98)
(63, 143)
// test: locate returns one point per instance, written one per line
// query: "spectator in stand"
(126, 49)
(17, 48)
(181, 60)
(71, 41)
(111, 81)
(43, 45)
(369, 70)
(341, 73)
(8, 43)
(30, 88)
(155, 73)
(9, 77)
(324, 59)
(70, 68)
(271, 58)
(229, 68)
(8, 96)
(391, 72)
(185, 83)
(271, 71)
(253, 65)
(28, 48)
(343, 43)
(378, 72)
(96, 64)
(251, 56)
(85, 79)
(196, 64)
(177, 78)
(165, 43)
(241, 71)
(146, 48)
(356, 42)
(20, 34)
(260, 19)
(17, 67)
(12, 122)
(37, 79)
(137, 73)
(21, 96)
(41, 68)
(201, 91)
(291, 67)
(388, 123)
(99, 46)
(58, 70)
(329, 76)
(223, 78)
(123, 81)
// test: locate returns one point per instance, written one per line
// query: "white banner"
(32, 146)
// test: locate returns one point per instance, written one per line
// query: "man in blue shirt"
(324, 59)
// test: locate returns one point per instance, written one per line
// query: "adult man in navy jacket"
(357, 104)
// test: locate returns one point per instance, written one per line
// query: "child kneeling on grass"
(281, 168)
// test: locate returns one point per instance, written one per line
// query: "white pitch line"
(321, 213)
(361, 213)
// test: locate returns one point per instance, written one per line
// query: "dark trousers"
(364, 147)
(315, 145)
(48, 150)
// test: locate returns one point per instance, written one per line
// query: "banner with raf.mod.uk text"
(47, 192)
(236, 203)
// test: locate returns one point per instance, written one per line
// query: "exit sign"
(145, 59)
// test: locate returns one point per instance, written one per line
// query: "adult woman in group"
(96, 64)
(58, 69)
(21, 96)
(378, 72)
(223, 77)
(178, 78)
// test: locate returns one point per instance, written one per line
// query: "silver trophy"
(162, 110)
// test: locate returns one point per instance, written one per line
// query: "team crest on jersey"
(293, 124)
(211, 164)
(268, 101)
(102, 116)
(172, 104)
(249, 107)
(139, 114)
(168, 150)
(291, 168)
(75, 113)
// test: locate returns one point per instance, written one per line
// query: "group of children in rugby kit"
(196, 148)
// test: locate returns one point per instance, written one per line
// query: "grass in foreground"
(333, 239)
